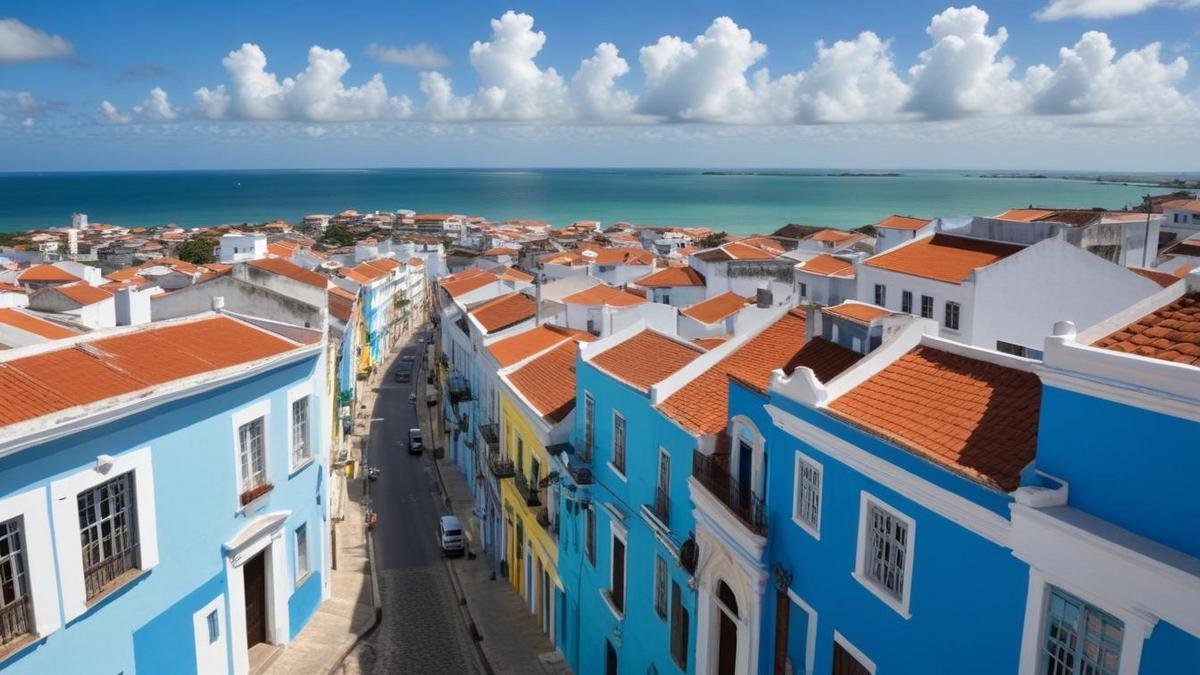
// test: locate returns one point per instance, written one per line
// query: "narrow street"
(422, 630)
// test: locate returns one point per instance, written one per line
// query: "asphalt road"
(422, 630)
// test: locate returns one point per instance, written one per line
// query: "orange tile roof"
(604, 255)
(515, 274)
(548, 381)
(742, 251)
(702, 405)
(384, 264)
(902, 223)
(83, 294)
(645, 359)
(1163, 279)
(600, 294)
(504, 311)
(672, 277)
(765, 243)
(716, 308)
(123, 274)
(1024, 215)
(35, 325)
(461, 285)
(173, 263)
(10, 288)
(828, 266)
(710, 343)
(501, 250)
(49, 382)
(46, 274)
(282, 249)
(1169, 333)
(976, 418)
(857, 311)
(416, 261)
(943, 257)
(521, 346)
(834, 236)
(341, 303)
(1183, 204)
(290, 270)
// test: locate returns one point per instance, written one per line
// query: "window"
(885, 553)
(107, 533)
(16, 617)
(906, 302)
(952, 315)
(660, 586)
(666, 298)
(881, 295)
(591, 327)
(214, 626)
(618, 448)
(520, 453)
(589, 535)
(803, 290)
(302, 568)
(253, 456)
(300, 448)
(806, 510)
(926, 307)
(617, 588)
(589, 426)
(679, 628)
(662, 490)
(1079, 639)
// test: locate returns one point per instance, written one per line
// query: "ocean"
(731, 201)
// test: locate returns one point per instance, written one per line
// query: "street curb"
(465, 607)
(376, 600)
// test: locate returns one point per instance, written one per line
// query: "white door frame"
(264, 534)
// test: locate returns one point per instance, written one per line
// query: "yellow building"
(537, 399)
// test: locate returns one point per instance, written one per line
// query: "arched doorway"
(727, 636)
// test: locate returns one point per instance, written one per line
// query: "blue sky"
(141, 85)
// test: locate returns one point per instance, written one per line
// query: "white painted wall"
(887, 237)
(824, 290)
(10, 299)
(679, 296)
(242, 247)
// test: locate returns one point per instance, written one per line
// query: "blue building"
(163, 496)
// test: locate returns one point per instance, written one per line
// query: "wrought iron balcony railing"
(501, 466)
(662, 506)
(491, 437)
(529, 492)
(712, 471)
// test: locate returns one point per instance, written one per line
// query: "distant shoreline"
(1134, 181)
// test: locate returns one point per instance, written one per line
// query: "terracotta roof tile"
(1163, 279)
(33, 324)
(828, 266)
(702, 405)
(857, 311)
(46, 274)
(1024, 215)
(902, 223)
(835, 236)
(501, 250)
(1183, 205)
(646, 359)
(10, 288)
(466, 284)
(976, 418)
(1169, 333)
(340, 306)
(943, 257)
(516, 348)
(173, 263)
(672, 277)
(515, 274)
(123, 364)
(548, 381)
(504, 311)
(124, 274)
(601, 294)
(716, 308)
(284, 268)
(710, 343)
(741, 251)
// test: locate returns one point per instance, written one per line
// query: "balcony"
(459, 389)
(529, 492)
(491, 437)
(501, 466)
(712, 471)
(661, 507)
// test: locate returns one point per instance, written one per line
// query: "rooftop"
(46, 274)
(548, 381)
(1169, 333)
(466, 281)
(716, 308)
(1163, 279)
(857, 311)
(284, 268)
(80, 293)
(504, 311)
(902, 223)
(835, 236)
(646, 359)
(827, 266)
(516, 348)
(943, 257)
(975, 418)
(29, 323)
(600, 294)
(1183, 205)
(671, 277)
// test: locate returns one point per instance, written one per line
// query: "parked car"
(415, 446)
(403, 376)
(450, 535)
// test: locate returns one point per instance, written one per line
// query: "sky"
(1078, 85)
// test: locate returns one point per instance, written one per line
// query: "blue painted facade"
(639, 636)
(146, 625)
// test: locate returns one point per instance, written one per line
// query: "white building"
(239, 247)
(89, 306)
(826, 279)
(676, 286)
(895, 230)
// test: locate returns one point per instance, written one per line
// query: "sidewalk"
(510, 640)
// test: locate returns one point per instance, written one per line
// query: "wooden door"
(727, 646)
(844, 663)
(254, 576)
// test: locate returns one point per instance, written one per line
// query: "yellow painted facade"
(529, 543)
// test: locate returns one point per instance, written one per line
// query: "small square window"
(302, 567)
(214, 627)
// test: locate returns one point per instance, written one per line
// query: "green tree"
(711, 240)
(338, 235)
(197, 250)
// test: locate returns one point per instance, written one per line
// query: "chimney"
(812, 321)
(764, 299)
(132, 306)
(218, 303)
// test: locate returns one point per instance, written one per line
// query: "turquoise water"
(732, 202)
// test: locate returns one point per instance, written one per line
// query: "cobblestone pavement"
(423, 630)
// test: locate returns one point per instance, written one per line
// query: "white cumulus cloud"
(113, 114)
(419, 56)
(593, 88)
(1104, 9)
(19, 42)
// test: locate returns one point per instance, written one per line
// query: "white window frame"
(246, 415)
(881, 295)
(619, 471)
(957, 316)
(302, 576)
(589, 423)
(860, 557)
(294, 394)
(810, 637)
(617, 531)
(811, 528)
(30, 507)
(64, 494)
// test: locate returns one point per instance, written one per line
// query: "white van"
(450, 535)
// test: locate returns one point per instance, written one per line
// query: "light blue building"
(163, 496)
